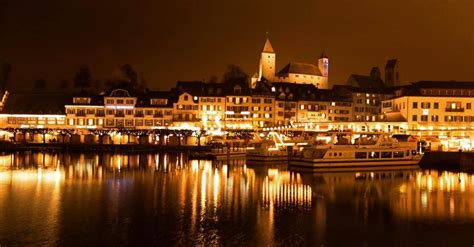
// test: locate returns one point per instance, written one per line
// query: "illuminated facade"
(441, 109)
(300, 73)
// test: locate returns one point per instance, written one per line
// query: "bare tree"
(130, 75)
(83, 77)
(234, 74)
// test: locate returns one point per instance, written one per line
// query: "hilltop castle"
(300, 73)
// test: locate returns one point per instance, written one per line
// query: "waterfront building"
(304, 103)
(294, 72)
(441, 109)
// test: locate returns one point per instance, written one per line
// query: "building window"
(414, 118)
(436, 105)
(424, 118)
(185, 98)
(468, 106)
(415, 105)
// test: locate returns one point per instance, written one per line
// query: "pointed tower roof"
(268, 47)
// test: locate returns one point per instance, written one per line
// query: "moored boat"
(367, 150)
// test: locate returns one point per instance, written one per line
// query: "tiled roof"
(365, 82)
(300, 68)
(306, 92)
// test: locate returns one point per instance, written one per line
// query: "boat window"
(374, 155)
(386, 155)
(398, 154)
(340, 154)
(361, 155)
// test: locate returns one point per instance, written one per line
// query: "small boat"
(266, 151)
(222, 150)
(365, 150)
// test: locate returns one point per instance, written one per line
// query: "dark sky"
(166, 41)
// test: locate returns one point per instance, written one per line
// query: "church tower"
(392, 77)
(267, 62)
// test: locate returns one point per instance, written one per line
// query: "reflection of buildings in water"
(286, 190)
(436, 195)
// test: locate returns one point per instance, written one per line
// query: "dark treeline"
(83, 80)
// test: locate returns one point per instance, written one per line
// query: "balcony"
(119, 114)
(460, 109)
(139, 115)
(80, 114)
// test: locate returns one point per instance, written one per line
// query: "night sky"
(166, 41)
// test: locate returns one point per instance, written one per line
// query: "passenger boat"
(366, 150)
(266, 151)
(222, 149)
(272, 151)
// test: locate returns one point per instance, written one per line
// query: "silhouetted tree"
(234, 74)
(213, 79)
(97, 85)
(40, 84)
(83, 77)
(5, 75)
(143, 85)
(130, 75)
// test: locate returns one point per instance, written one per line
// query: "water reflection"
(56, 198)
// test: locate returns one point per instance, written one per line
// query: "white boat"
(367, 150)
(266, 151)
(261, 151)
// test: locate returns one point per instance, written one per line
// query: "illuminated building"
(440, 109)
(301, 73)
(303, 103)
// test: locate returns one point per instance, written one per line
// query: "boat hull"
(266, 159)
(317, 163)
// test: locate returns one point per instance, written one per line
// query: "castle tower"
(392, 77)
(323, 66)
(267, 62)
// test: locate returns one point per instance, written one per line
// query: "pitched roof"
(36, 103)
(306, 92)
(300, 68)
(268, 47)
(391, 64)
(364, 81)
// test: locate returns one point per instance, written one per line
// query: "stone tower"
(323, 65)
(267, 62)
(392, 76)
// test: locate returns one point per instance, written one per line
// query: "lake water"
(160, 199)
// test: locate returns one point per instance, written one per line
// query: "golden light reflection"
(436, 194)
(280, 189)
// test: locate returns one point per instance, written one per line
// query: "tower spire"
(267, 48)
